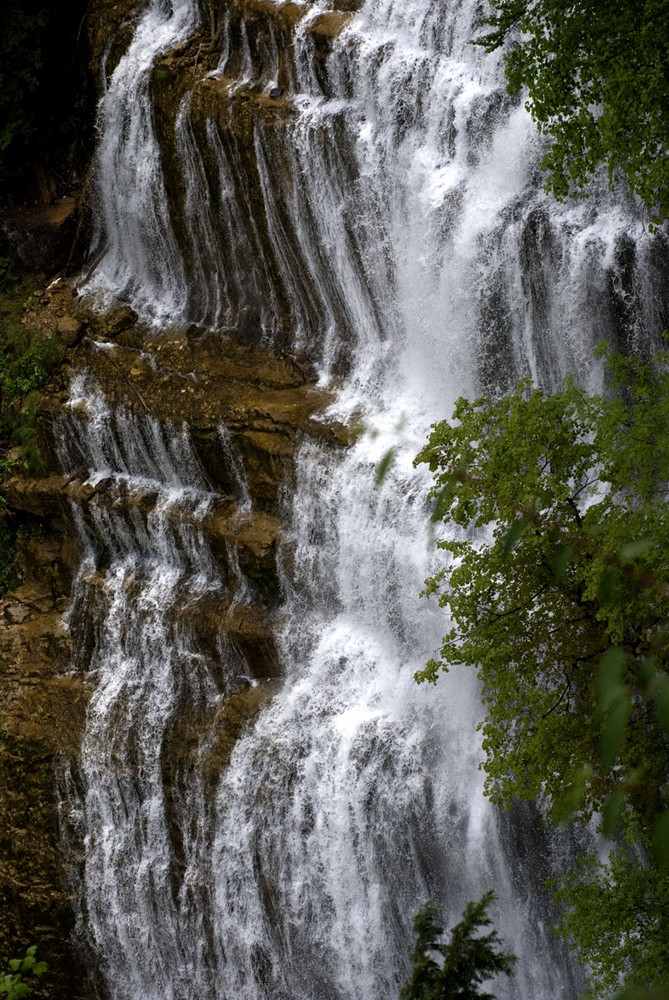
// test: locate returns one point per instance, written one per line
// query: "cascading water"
(155, 566)
(403, 238)
(133, 245)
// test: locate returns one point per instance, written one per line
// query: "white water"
(133, 248)
(411, 240)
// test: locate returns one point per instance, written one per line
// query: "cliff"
(260, 389)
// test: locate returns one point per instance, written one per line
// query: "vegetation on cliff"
(26, 360)
(13, 984)
(596, 76)
(559, 600)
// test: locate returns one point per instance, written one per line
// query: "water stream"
(404, 239)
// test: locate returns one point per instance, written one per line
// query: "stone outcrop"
(267, 402)
(42, 706)
(246, 377)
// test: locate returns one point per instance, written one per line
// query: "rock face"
(43, 235)
(240, 380)
(42, 708)
(266, 402)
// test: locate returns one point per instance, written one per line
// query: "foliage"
(571, 490)
(596, 75)
(468, 959)
(634, 899)
(12, 983)
(559, 597)
(26, 360)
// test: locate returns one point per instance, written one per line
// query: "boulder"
(16, 613)
(69, 330)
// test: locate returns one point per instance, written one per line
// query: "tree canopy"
(557, 587)
(597, 76)
(570, 589)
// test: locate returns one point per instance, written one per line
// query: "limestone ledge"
(266, 401)
(42, 707)
(254, 533)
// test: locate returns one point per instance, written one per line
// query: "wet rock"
(109, 25)
(43, 709)
(251, 629)
(81, 492)
(232, 717)
(331, 23)
(69, 329)
(16, 613)
(36, 496)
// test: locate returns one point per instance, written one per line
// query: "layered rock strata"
(246, 407)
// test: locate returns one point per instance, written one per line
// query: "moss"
(26, 361)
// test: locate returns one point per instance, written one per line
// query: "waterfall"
(133, 244)
(383, 216)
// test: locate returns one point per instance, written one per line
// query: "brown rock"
(330, 23)
(16, 613)
(69, 330)
(232, 717)
(42, 236)
(36, 496)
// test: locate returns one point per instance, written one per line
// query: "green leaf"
(636, 993)
(609, 685)
(661, 840)
(561, 562)
(649, 669)
(613, 731)
(661, 699)
(606, 586)
(510, 539)
(611, 812)
(383, 467)
(444, 498)
(633, 550)
(570, 801)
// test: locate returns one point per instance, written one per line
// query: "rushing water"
(402, 237)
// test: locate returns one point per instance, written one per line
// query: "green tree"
(468, 958)
(615, 915)
(557, 588)
(569, 492)
(597, 76)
